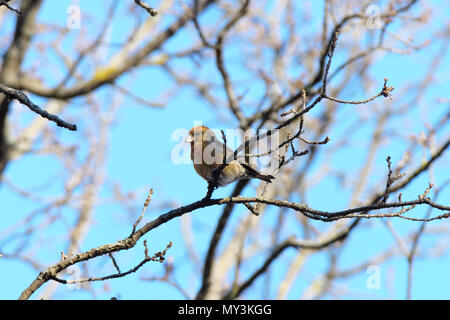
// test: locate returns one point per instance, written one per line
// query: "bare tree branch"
(23, 99)
(149, 9)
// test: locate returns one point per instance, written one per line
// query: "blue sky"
(138, 158)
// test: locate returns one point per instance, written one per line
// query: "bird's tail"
(255, 174)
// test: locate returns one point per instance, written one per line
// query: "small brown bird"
(207, 154)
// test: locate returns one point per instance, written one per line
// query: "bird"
(207, 154)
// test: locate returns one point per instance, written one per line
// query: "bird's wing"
(213, 153)
(220, 148)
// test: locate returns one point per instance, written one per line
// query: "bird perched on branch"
(207, 153)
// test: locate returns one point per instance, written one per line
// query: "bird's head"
(199, 134)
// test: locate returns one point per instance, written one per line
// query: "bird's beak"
(189, 138)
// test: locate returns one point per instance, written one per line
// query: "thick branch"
(131, 241)
(23, 99)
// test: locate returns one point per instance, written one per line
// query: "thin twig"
(146, 203)
(114, 262)
(5, 3)
(389, 180)
(149, 9)
(385, 92)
